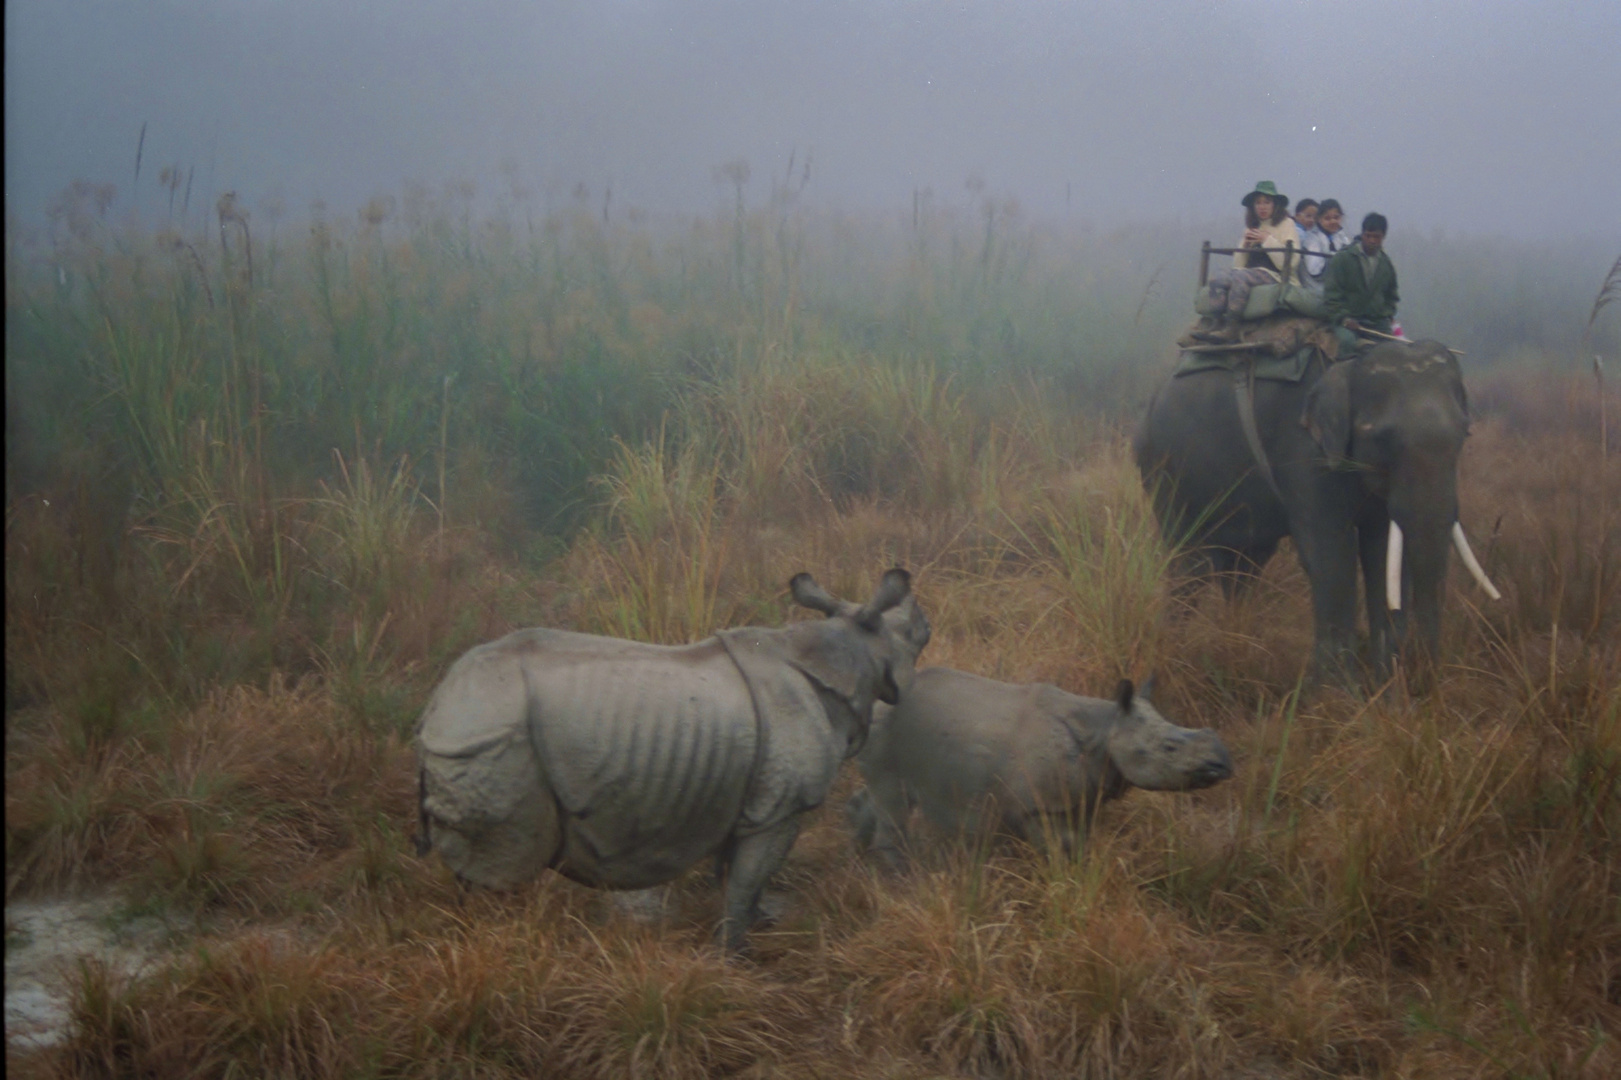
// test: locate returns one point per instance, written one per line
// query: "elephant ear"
(1458, 390)
(1438, 355)
(1328, 413)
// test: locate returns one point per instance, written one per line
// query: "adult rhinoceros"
(622, 764)
(980, 755)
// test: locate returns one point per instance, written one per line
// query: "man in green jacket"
(1359, 286)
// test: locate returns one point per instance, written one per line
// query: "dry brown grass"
(237, 802)
(1391, 885)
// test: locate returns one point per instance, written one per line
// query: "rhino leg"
(723, 860)
(754, 859)
(1040, 830)
(890, 807)
(862, 817)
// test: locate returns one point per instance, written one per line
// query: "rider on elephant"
(1322, 242)
(1359, 286)
(1306, 217)
(1268, 225)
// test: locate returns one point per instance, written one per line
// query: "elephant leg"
(754, 860)
(1328, 554)
(1237, 570)
(1189, 571)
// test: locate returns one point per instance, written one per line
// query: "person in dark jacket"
(1359, 286)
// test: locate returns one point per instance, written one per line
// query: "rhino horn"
(807, 593)
(895, 587)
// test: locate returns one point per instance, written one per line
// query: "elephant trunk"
(1423, 548)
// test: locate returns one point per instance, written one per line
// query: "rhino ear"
(807, 593)
(1123, 695)
(1145, 692)
(894, 588)
(1328, 413)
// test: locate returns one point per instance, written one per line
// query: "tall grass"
(232, 579)
(660, 566)
(1107, 549)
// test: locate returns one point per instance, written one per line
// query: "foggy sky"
(1490, 116)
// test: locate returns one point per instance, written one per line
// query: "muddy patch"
(46, 939)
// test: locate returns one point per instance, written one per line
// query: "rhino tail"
(423, 840)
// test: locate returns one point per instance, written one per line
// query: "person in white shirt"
(1322, 241)
(1306, 212)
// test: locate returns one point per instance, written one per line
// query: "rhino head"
(1155, 754)
(861, 653)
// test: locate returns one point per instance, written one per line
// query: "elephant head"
(1397, 418)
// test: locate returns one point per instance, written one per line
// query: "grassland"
(261, 490)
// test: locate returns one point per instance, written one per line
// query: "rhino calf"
(622, 764)
(978, 755)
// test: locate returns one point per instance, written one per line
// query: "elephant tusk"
(1467, 554)
(1393, 569)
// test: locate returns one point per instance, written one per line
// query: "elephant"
(1357, 461)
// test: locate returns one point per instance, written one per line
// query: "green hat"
(1264, 187)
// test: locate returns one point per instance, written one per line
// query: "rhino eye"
(1171, 746)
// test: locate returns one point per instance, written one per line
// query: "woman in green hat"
(1267, 225)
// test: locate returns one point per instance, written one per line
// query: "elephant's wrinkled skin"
(1351, 447)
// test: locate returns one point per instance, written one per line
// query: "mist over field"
(342, 338)
(1489, 117)
(1461, 122)
(1456, 120)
